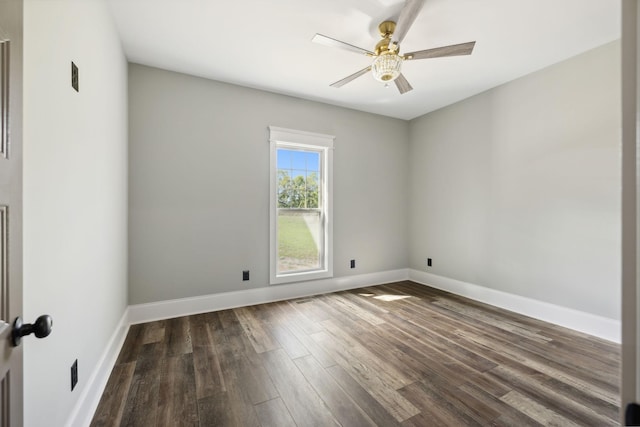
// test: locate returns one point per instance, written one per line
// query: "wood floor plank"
(208, 373)
(302, 401)
(290, 315)
(430, 337)
(535, 410)
(236, 352)
(477, 409)
(573, 352)
(508, 415)
(489, 318)
(353, 351)
(277, 327)
(153, 332)
(585, 397)
(228, 319)
(177, 404)
(239, 397)
(346, 305)
(343, 408)
(111, 407)
(318, 352)
(428, 361)
(141, 406)
(388, 355)
(259, 335)
(572, 364)
(177, 340)
(273, 413)
(420, 420)
(362, 397)
(582, 353)
(377, 382)
(238, 363)
(132, 345)
(479, 342)
(489, 385)
(548, 397)
(566, 360)
(214, 411)
(435, 407)
(379, 304)
(377, 342)
(531, 362)
(312, 309)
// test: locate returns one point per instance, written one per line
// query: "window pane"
(312, 190)
(299, 240)
(298, 159)
(284, 159)
(313, 162)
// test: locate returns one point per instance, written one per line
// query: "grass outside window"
(297, 248)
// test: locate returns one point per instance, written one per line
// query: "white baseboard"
(609, 329)
(87, 403)
(140, 313)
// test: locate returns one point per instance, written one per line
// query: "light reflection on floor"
(386, 297)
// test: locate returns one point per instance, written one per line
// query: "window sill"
(300, 277)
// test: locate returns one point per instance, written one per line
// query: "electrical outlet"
(74, 374)
(353, 263)
(428, 262)
(245, 275)
(75, 77)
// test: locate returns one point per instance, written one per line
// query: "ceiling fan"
(386, 66)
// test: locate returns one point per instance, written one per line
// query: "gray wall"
(199, 184)
(518, 188)
(75, 197)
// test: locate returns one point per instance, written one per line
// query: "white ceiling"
(267, 44)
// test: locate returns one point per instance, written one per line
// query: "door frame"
(630, 381)
(11, 358)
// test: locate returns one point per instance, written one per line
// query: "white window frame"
(281, 137)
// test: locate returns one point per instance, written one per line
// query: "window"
(300, 203)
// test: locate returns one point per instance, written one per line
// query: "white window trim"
(300, 139)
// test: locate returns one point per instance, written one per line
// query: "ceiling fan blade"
(402, 84)
(437, 52)
(408, 14)
(328, 41)
(353, 76)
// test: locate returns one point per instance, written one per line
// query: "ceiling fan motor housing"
(386, 29)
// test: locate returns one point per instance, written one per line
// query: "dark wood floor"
(394, 355)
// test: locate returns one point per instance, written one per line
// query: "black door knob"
(40, 328)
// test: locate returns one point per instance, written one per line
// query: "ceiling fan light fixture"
(386, 67)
